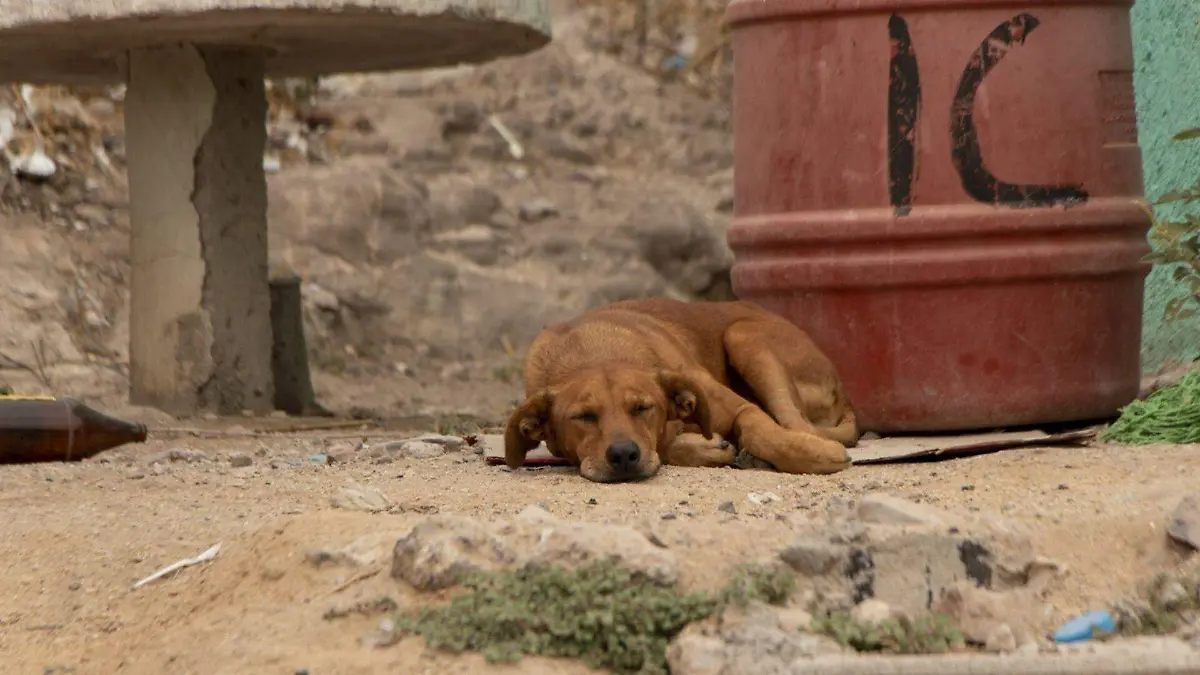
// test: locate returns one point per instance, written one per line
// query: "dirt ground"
(78, 536)
(430, 257)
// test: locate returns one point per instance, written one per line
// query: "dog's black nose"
(623, 457)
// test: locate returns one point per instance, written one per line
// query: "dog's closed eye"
(586, 417)
(640, 409)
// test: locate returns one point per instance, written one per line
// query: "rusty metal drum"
(945, 194)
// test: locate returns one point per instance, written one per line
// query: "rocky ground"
(308, 524)
(432, 250)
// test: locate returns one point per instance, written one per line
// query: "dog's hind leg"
(694, 450)
(792, 379)
(755, 431)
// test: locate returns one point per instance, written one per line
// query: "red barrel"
(945, 195)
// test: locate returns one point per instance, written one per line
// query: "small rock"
(571, 544)
(385, 635)
(439, 549)
(356, 497)
(1001, 640)
(1172, 595)
(761, 498)
(693, 654)
(454, 371)
(178, 455)
(1185, 522)
(537, 210)
(885, 509)
(727, 507)
(461, 117)
(136, 475)
(757, 642)
(415, 449)
(794, 619)
(871, 612)
(649, 529)
(343, 454)
(361, 552)
(812, 556)
(240, 460)
(979, 613)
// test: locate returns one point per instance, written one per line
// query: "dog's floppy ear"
(685, 400)
(528, 426)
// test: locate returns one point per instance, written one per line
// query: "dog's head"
(610, 422)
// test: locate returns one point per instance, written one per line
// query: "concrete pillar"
(200, 319)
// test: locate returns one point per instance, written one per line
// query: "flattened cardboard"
(888, 450)
(905, 449)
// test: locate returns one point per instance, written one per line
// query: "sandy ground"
(77, 537)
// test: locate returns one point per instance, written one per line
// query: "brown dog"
(627, 387)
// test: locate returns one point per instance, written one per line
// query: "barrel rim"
(947, 221)
(746, 11)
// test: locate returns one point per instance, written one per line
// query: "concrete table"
(195, 121)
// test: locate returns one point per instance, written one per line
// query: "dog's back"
(654, 332)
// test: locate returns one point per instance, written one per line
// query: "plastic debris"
(36, 164)
(186, 562)
(514, 146)
(1086, 627)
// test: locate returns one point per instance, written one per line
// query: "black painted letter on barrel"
(904, 108)
(967, 156)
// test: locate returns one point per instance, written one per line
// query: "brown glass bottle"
(49, 429)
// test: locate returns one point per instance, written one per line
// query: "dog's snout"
(623, 457)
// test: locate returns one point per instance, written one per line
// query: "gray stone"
(440, 549)
(1185, 522)
(695, 654)
(416, 449)
(574, 544)
(679, 242)
(1173, 595)
(539, 209)
(871, 612)
(814, 556)
(1001, 640)
(240, 460)
(354, 497)
(980, 613)
(885, 509)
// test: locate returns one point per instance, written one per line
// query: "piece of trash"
(675, 62)
(1086, 627)
(271, 164)
(319, 459)
(8, 121)
(35, 164)
(760, 498)
(514, 146)
(186, 562)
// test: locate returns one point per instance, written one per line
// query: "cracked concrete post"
(200, 306)
(195, 124)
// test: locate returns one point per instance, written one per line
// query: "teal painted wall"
(1166, 37)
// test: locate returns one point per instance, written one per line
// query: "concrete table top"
(84, 41)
